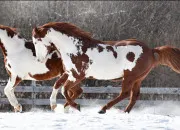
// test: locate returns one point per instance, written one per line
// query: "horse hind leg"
(125, 93)
(9, 92)
(135, 92)
(67, 86)
(73, 93)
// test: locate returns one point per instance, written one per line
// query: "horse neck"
(68, 43)
(10, 45)
(3, 49)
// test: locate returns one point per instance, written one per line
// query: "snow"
(162, 117)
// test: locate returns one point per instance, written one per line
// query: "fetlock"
(18, 108)
(103, 110)
(66, 109)
(53, 107)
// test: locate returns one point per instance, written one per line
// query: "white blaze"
(41, 50)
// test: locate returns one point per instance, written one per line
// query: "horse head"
(42, 43)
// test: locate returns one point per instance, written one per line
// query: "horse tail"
(169, 56)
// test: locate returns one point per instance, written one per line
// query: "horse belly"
(105, 66)
(105, 72)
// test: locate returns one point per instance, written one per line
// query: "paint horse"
(85, 57)
(21, 64)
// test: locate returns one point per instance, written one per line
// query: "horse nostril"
(39, 39)
(41, 61)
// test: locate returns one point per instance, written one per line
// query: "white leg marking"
(66, 109)
(53, 96)
(62, 91)
(19, 108)
(9, 92)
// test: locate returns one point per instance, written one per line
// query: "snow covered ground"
(162, 117)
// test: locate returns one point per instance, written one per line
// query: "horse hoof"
(66, 109)
(18, 108)
(78, 107)
(53, 107)
(126, 111)
(102, 112)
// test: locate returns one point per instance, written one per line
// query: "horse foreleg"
(135, 92)
(56, 87)
(125, 93)
(9, 92)
(74, 93)
(53, 98)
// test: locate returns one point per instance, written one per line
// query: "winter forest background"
(156, 23)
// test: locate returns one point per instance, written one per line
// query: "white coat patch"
(20, 58)
(106, 66)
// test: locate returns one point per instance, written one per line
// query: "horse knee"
(76, 90)
(7, 90)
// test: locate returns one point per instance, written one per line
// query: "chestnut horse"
(85, 57)
(21, 64)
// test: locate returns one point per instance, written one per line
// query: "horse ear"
(36, 29)
(14, 29)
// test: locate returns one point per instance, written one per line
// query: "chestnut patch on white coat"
(30, 46)
(130, 56)
(110, 48)
(80, 61)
